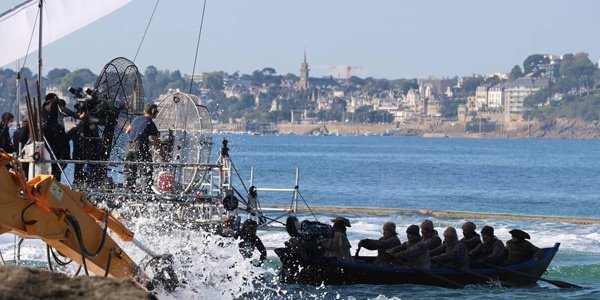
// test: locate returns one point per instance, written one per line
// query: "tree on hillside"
(78, 78)
(409, 84)
(538, 97)
(269, 71)
(515, 73)
(470, 84)
(213, 81)
(532, 63)
(55, 76)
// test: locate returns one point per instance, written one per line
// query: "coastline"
(554, 129)
(444, 214)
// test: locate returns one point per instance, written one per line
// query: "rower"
(519, 250)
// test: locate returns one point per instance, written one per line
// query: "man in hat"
(344, 221)
(414, 252)
(430, 235)
(250, 241)
(452, 252)
(387, 241)
(142, 132)
(338, 246)
(471, 238)
(519, 250)
(490, 252)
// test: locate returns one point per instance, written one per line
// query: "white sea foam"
(213, 268)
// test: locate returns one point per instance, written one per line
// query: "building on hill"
(303, 82)
(516, 91)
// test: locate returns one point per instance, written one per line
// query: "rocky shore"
(25, 284)
(560, 128)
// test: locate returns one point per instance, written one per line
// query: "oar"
(356, 254)
(558, 283)
(474, 273)
(430, 274)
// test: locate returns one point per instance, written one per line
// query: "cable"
(110, 253)
(84, 252)
(308, 206)
(238, 174)
(48, 257)
(147, 26)
(197, 46)
(57, 260)
(23, 212)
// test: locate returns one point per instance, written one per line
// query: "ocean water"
(542, 177)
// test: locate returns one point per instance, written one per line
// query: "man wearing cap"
(430, 235)
(414, 252)
(471, 238)
(452, 252)
(490, 252)
(251, 241)
(519, 250)
(387, 241)
(141, 132)
(338, 246)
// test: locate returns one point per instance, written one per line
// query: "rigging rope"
(197, 46)
(146, 31)
(313, 214)
(26, 55)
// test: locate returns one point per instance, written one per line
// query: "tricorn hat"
(343, 220)
(520, 234)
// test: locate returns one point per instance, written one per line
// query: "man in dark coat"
(452, 252)
(86, 146)
(6, 143)
(471, 238)
(250, 241)
(519, 250)
(54, 109)
(490, 252)
(387, 241)
(430, 235)
(21, 134)
(414, 252)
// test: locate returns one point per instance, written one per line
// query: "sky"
(382, 39)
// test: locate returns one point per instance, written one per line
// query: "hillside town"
(546, 93)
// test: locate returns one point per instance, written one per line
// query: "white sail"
(61, 17)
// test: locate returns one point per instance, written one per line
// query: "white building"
(496, 97)
(517, 90)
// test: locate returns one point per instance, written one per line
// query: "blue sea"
(514, 176)
(554, 177)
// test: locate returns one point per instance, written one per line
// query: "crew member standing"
(54, 130)
(5, 141)
(142, 132)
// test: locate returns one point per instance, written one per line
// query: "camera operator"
(54, 130)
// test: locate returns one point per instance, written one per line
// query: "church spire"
(303, 83)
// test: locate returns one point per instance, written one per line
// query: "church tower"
(303, 83)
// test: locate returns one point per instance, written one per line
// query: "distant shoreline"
(443, 214)
(559, 129)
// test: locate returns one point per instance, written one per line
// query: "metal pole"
(38, 109)
(144, 248)
(296, 187)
